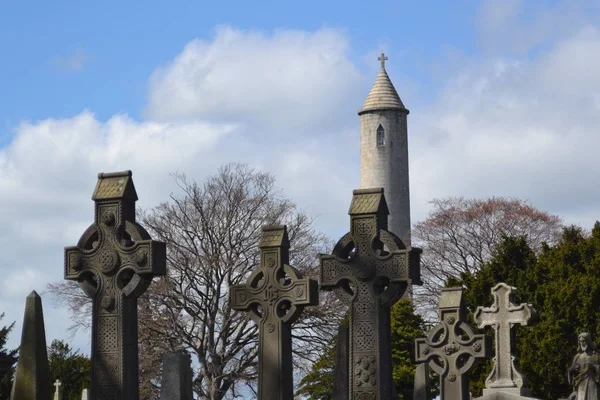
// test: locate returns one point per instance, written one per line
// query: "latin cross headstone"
(58, 390)
(383, 59)
(502, 316)
(32, 378)
(176, 381)
(369, 270)
(274, 297)
(114, 263)
(452, 346)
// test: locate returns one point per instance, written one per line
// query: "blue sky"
(504, 99)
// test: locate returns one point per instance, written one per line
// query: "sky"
(504, 100)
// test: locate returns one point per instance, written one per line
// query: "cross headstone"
(114, 263)
(502, 316)
(369, 269)
(58, 391)
(85, 395)
(383, 59)
(274, 297)
(451, 347)
(32, 378)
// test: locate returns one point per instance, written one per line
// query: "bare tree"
(212, 233)
(460, 234)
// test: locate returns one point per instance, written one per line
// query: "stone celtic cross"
(114, 263)
(452, 346)
(502, 315)
(274, 296)
(369, 269)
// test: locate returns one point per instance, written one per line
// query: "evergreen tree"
(8, 361)
(70, 367)
(563, 284)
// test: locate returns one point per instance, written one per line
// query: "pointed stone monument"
(274, 297)
(176, 377)
(32, 378)
(369, 269)
(58, 392)
(452, 346)
(114, 263)
(505, 381)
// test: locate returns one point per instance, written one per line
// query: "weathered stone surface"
(340, 377)
(452, 346)
(502, 315)
(58, 391)
(274, 297)
(369, 269)
(421, 382)
(32, 378)
(85, 395)
(114, 263)
(584, 372)
(176, 377)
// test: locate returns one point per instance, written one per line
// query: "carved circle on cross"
(108, 218)
(108, 260)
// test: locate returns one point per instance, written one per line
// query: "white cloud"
(289, 79)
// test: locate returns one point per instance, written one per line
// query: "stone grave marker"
(114, 263)
(369, 269)
(176, 381)
(502, 316)
(451, 347)
(274, 297)
(85, 395)
(32, 378)
(58, 391)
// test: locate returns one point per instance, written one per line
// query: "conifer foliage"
(8, 360)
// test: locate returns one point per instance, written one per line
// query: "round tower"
(384, 150)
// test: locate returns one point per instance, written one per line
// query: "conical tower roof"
(383, 95)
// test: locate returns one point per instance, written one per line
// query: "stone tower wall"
(387, 166)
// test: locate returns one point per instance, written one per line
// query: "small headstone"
(451, 340)
(176, 381)
(85, 395)
(58, 390)
(421, 382)
(502, 316)
(32, 378)
(114, 263)
(369, 269)
(274, 297)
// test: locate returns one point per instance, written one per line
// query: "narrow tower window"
(380, 136)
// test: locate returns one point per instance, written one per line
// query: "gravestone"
(176, 381)
(85, 395)
(58, 391)
(421, 382)
(340, 377)
(32, 378)
(274, 297)
(114, 263)
(451, 347)
(502, 316)
(369, 269)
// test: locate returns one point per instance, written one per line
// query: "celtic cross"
(502, 315)
(383, 59)
(369, 269)
(452, 346)
(114, 263)
(274, 296)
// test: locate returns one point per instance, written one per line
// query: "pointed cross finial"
(383, 59)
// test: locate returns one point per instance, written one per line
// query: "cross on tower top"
(383, 59)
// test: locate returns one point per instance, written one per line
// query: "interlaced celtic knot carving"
(369, 269)
(114, 263)
(274, 297)
(452, 348)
